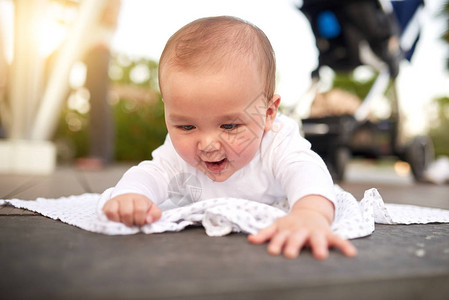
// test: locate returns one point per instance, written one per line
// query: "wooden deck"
(43, 258)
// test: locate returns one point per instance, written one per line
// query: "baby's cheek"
(184, 149)
(243, 149)
(239, 143)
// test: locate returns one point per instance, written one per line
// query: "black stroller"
(351, 33)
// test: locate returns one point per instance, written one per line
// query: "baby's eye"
(229, 126)
(186, 127)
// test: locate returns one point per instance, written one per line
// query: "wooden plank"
(11, 184)
(420, 194)
(5, 210)
(63, 182)
(396, 262)
(12, 211)
(99, 181)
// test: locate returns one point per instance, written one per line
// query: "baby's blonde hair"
(217, 41)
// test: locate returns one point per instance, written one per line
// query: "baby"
(217, 79)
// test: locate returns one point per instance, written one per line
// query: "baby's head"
(217, 79)
(211, 44)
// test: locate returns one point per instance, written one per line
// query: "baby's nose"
(209, 143)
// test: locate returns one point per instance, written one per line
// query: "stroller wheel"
(419, 154)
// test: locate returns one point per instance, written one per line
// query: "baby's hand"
(132, 209)
(298, 229)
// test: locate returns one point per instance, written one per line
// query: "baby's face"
(216, 121)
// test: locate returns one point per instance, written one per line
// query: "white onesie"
(283, 167)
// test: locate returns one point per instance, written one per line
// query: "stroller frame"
(362, 23)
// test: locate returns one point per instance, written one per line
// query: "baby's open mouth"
(216, 166)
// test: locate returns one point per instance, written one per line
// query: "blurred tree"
(48, 37)
(347, 82)
(439, 132)
(137, 110)
(446, 33)
(101, 129)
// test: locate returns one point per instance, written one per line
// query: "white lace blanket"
(222, 216)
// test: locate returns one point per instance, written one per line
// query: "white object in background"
(438, 171)
(377, 89)
(27, 157)
(48, 112)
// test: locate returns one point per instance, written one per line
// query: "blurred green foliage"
(138, 121)
(439, 131)
(139, 129)
(347, 82)
(445, 35)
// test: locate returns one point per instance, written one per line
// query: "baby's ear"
(272, 110)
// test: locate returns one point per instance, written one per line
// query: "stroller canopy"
(342, 26)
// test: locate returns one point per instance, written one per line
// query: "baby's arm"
(131, 209)
(308, 223)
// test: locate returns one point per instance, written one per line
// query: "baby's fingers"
(319, 246)
(263, 235)
(277, 242)
(141, 207)
(110, 209)
(127, 212)
(154, 213)
(145, 211)
(295, 243)
(345, 246)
